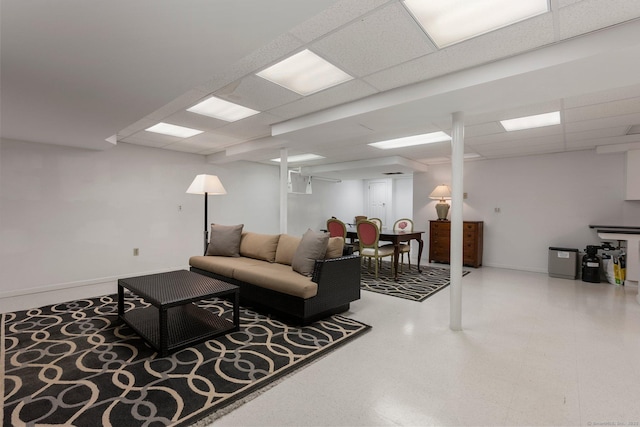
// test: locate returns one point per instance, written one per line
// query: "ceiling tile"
(611, 132)
(250, 128)
(138, 140)
(515, 137)
(471, 131)
(590, 15)
(608, 122)
(261, 58)
(533, 147)
(341, 13)
(512, 113)
(349, 91)
(195, 121)
(182, 102)
(257, 93)
(608, 109)
(602, 96)
(511, 40)
(387, 37)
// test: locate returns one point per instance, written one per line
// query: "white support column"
(284, 179)
(457, 191)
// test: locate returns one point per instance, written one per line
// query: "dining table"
(396, 238)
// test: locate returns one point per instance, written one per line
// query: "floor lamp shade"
(207, 185)
(441, 192)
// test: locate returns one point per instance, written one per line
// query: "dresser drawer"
(440, 242)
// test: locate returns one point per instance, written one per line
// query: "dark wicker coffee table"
(173, 321)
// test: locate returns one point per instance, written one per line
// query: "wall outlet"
(136, 251)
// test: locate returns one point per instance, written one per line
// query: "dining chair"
(359, 218)
(368, 238)
(377, 221)
(404, 224)
(338, 228)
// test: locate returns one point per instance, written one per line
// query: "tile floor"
(534, 351)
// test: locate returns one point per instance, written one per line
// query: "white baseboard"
(24, 299)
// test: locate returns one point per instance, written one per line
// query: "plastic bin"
(563, 263)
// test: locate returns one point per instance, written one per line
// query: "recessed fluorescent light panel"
(173, 130)
(452, 21)
(300, 158)
(408, 141)
(305, 73)
(530, 122)
(221, 109)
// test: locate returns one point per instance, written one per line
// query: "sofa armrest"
(338, 277)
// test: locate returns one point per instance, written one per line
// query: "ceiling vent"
(634, 130)
(392, 173)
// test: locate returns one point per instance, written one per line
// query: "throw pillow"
(259, 246)
(313, 246)
(225, 240)
(335, 247)
(287, 246)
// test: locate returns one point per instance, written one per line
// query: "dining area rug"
(412, 284)
(76, 363)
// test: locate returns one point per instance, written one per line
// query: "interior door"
(378, 201)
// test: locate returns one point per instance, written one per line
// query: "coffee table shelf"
(172, 320)
(189, 325)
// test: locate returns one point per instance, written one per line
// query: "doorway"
(378, 199)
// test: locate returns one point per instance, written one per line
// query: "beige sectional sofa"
(301, 279)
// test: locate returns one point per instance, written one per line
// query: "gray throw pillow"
(312, 247)
(225, 240)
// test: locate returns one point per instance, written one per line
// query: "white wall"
(344, 200)
(402, 199)
(546, 200)
(71, 217)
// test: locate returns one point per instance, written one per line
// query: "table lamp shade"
(206, 184)
(442, 192)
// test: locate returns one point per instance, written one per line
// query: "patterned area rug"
(411, 284)
(77, 364)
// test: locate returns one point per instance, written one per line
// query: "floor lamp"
(207, 185)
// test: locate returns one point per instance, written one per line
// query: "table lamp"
(442, 192)
(207, 185)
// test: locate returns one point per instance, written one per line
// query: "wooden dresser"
(440, 238)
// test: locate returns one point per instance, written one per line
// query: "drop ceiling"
(581, 58)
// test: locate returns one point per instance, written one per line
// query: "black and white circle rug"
(76, 364)
(411, 284)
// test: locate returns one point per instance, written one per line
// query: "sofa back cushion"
(225, 240)
(259, 246)
(313, 246)
(287, 246)
(334, 247)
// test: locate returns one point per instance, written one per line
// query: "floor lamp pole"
(206, 230)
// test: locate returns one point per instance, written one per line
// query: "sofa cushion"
(222, 265)
(287, 246)
(225, 240)
(259, 246)
(278, 277)
(313, 246)
(334, 247)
